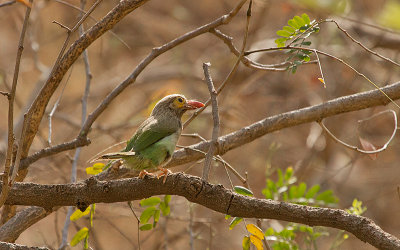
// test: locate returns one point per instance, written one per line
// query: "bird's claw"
(164, 172)
(143, 173)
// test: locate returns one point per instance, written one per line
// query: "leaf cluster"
(299, 28)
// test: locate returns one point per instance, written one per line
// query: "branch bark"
(39, 105)
(270, 124)
(196, 190)
(5, 245)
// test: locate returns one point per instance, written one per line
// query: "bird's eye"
(180, 100)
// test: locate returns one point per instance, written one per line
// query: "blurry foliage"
(333, 6)
(390, 15)
(285, 189)
(155, 206)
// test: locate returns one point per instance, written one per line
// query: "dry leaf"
(26, 3)
(367, 146)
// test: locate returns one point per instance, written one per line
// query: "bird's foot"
(143, 173)
(164, 172)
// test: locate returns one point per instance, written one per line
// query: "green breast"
(155, 155)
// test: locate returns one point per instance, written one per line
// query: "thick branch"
(270, 124)
(5, 245)
(11, 230)
(215, 197)
(38, 107)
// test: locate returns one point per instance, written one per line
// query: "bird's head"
(176, 103)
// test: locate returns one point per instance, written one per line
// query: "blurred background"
(251, 96)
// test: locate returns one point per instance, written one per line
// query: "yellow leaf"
(95, 169)
(321, 80)
(26, 3)
(256, 242)
(253, 229)
(246, 243)
(98, 165)
(78, 214)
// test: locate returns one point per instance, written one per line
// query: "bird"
(154, 142)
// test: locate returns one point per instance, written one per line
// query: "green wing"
(147, 134)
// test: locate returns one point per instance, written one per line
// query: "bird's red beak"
(191, 104)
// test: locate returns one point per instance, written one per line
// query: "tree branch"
(196, 190)
(250, 133)
(5, 245)
(39, 105)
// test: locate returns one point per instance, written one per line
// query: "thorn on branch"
(8, 95)
(62, 26)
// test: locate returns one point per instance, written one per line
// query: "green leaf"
(280, 42)
(165, 209)
(92, 210)
(147, 214)
(283, 33)
(271, 185)
(246, 243)
(294, 24)
(156, 217)
(243, 191)
(307, 52)
(146, 227)
(306, 43)
(78, 214)
(234, 222)
(227, 216)
(299, 21)
(267, 193)
(293, 192)
(288, 173)
(285, 196)
(289, 29)
(152, 201)
(312, 192)
(269, 231)
(301, 190)
(167, 199)
(279, 183)
(79, 236)
(327, 197)
(294, 68)
(305, 17)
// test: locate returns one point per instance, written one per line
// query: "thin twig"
(6, 94)
(83, 118)
(62, 26)
(215, 115)
(70, 32)
(362, 45)
(320, 69)
(11, 97)
(227, 79)
(331, 56)
(138, 222)
(45, 152)
(53, 110)
(191, 234)
(356, 148)
(8, 3)
(220, 159)
(95, 20)
(149, 58)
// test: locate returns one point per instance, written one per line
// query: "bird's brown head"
(177, 104)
